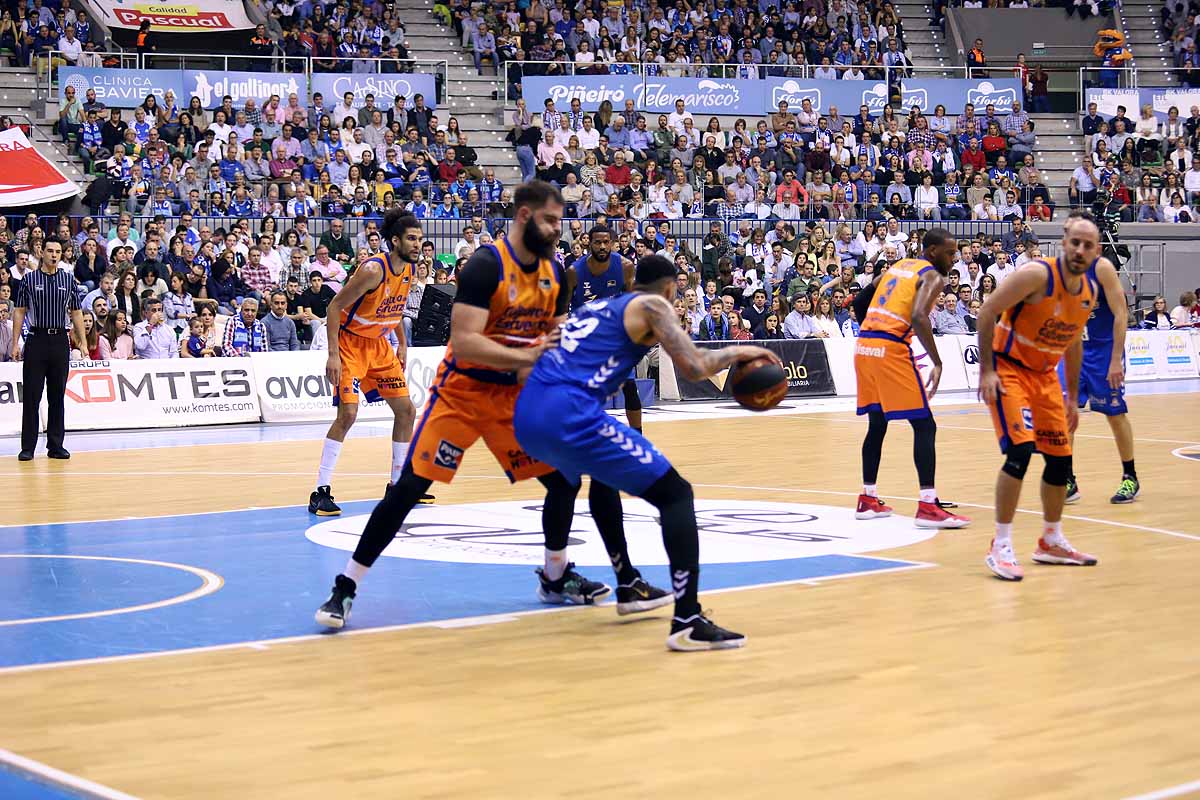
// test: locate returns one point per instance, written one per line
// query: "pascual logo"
(709, 94)
(731, 531)
(588, 93)
(987, 94)
(794, 93)
(97, 382)
(242, 87)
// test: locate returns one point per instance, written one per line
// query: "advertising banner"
(955, 93)
(386, 88)
(591, 90)
(954, 375)
(11, 398)
(1161, 100)
(804, 361)
(190, 16)
(969, 353)
(160, 393)
(1139, 356)
(121, 88)
(708, 96)
(28, 179)
(210, 85)
(292, 386)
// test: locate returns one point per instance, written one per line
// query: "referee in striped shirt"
(46, 298)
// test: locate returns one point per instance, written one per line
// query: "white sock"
(556, 564)
(1003, 534)
(928, 495)
(399, 456)
(869, 490)
(330, 451)
(1052, 533)
(355, 571)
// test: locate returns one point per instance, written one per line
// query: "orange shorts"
(1030, 410)
(369, 367)
(888, 379)
(461, 410)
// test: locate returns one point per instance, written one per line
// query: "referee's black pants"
(46, 365)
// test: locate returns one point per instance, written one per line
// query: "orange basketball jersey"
(1036, 334)
(381, 310)
(522, 307)
(891, 312)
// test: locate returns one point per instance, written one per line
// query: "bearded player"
(603, 273)
(1042, 309)
(361, 359)
(509, 304)
(895, 306)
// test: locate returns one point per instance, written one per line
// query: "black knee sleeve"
(558, 510)
(670, 488)
(1057, 471)
(1016, 460)
(629, 390)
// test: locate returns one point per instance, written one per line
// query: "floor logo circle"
(731, 531)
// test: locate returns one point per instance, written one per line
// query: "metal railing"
(722, 70)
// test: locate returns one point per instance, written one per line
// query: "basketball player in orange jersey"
(889, 385)
(510, 301)
(1042, 308)
(361, 360)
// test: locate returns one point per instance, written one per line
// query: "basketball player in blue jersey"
(602, 274)
(1102, 376)
(600, 343)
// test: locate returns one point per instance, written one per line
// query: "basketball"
(758, 385)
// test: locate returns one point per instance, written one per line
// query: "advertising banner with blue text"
(1161, 100)
(121, 88)
(385, 87)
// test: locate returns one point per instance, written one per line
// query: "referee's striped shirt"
(48, 300)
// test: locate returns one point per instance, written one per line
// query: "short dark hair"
(316, 273)
(935, 237)
(536, 194)
(397, 222)
(599, 228)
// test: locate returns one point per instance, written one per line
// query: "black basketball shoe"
(698, 632)
(321, 503)
(637, 596)
(426, 499)
(571, 589)
(336, 610)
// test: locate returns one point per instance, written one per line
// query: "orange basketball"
(758, 385)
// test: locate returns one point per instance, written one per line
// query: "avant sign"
(731, 531)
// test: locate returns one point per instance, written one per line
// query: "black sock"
(673, 498)
(389, 515)
(872, 446)
(925, 449)
(605, 504)
(1128, 470)
(558, 510)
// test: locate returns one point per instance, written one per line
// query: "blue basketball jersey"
(589, 287)
(595, 354)
(1099, 324)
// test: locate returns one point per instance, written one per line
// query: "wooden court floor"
(932, 683)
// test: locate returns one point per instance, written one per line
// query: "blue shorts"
(568, 429)
(1093, 380)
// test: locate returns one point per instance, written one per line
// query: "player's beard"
(533, 240)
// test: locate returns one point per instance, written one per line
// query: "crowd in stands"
(792, 164)
(1140, 170)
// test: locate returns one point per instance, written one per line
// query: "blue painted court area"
(16, 785)
(247, 576)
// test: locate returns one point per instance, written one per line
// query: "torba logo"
(987, 94)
